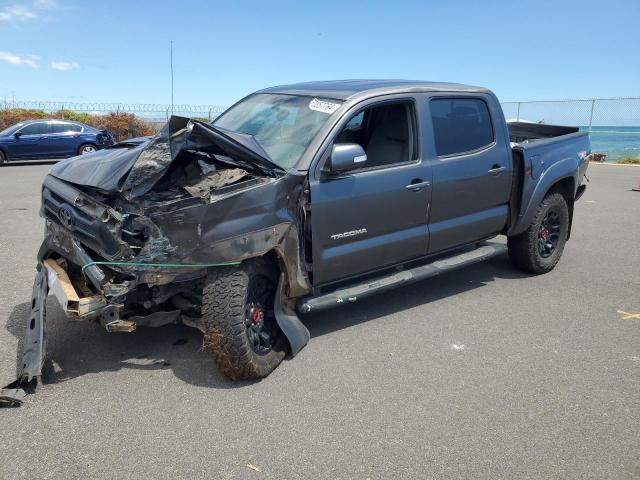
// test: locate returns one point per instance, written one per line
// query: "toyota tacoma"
(298, 198)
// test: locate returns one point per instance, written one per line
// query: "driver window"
(383, 132)
(37, 128)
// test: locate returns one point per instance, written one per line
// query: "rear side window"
(460, 125)
(37, 128)
(65, 127)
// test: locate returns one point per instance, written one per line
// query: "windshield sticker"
(323, 106)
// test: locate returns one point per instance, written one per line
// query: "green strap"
(168, 265)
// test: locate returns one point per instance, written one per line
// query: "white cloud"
(64, 66)
(15, 59)
(26, 12)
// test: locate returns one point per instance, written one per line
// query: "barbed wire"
(614, 122)
(107, 107)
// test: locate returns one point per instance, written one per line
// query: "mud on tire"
(241, 331)
(538, 249)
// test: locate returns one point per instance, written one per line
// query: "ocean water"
(616, 142)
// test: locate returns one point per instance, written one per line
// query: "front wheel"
(3, 158)
(86, 148)
(241, 331)
(538, 249)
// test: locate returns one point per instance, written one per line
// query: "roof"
(346, 89)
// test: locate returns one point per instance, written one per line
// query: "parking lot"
(481, 373)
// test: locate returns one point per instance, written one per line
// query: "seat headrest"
(394, 120)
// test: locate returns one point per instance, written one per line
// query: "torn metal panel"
(34, 344)
(34, 347)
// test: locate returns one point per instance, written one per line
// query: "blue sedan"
(50, 139)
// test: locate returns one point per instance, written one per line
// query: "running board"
(372, 287)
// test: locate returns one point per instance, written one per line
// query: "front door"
(375, 216)
(32, 141)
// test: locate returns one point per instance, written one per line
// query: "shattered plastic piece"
(253, 467)
(216, 179)
(12, 397)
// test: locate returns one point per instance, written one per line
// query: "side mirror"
(345, 157)
(17, 134)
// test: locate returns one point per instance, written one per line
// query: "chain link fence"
(151, 112)
(613, 123)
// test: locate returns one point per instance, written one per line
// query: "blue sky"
(118, 51)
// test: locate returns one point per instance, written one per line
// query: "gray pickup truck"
(296, 199)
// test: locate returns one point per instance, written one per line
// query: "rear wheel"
(538, 249)
(241, 331)
(86, 148)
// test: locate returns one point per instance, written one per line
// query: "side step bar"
(372, 287)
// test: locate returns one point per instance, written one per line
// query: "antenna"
(171, 62)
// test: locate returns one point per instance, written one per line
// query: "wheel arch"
(567, 188)
(562, 178)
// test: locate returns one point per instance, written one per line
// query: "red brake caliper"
(256, 314)
(544, 233)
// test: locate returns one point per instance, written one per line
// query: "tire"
(538, 249)
(241, 331)
(87, 148)
(3, 158)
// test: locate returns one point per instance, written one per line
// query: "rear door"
(375, 216)
(64, 138)
(33, 141)
(472, 170)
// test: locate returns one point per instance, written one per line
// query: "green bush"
(629, 161)
(123, 125)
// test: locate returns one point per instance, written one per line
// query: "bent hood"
(134, 167)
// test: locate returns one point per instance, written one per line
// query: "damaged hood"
(133, 167)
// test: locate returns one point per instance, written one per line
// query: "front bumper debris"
(34, 348)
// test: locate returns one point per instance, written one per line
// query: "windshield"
(283, 125)
(11, 130)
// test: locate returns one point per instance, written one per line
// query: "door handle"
(416, 187)
(495, 170)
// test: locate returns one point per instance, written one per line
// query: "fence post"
(209, 114)
(593, 103)
(518, 115)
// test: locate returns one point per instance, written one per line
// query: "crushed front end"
(131, 231)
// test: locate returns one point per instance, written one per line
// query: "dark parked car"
(296, 199)
(50, 139)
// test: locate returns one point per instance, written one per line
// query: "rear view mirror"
(17, 134)
(345, 157)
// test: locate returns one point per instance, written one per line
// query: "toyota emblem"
(65, 217)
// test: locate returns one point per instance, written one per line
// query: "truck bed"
(537, 149)
(524, 132)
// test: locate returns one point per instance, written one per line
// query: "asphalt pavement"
(485, 372)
